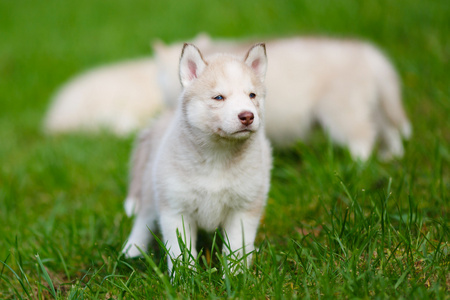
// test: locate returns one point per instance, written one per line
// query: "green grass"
(332, 228)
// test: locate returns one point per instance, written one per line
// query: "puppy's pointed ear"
(191, 64)
(256, 59)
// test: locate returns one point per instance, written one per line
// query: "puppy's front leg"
(141, 233)
(174, 226)
(240, 231)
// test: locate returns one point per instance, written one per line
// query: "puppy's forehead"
(234, 69)
(231, 71)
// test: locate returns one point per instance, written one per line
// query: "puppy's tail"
(390, 93)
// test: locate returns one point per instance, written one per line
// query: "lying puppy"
(347, 86)
(119, 98)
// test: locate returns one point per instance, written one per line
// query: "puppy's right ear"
(191, 64)
(256, 59)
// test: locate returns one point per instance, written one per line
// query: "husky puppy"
(348, 87)
(208, 164)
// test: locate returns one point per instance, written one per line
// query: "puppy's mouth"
(243, 130)
(243, 133)
(236, 134)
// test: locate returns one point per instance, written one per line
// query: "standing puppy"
(208, 165)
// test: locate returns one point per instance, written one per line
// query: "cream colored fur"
(207, 164)
(119, 98)
(348, 87)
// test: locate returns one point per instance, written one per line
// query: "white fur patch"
(209, 167)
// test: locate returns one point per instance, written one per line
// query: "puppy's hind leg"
(130, 205)
(140, 158)
(347, 117)
(391, 143)
(358, 134)
(361, 146)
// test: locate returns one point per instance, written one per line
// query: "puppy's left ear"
(256, 59)
(191, 64)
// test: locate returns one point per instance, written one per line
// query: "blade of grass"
(162, 277)
(18, 278)
(5, 279)
(46, 276)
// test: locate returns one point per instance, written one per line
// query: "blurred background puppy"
(348, 87)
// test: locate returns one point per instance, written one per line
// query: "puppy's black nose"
(246, 117)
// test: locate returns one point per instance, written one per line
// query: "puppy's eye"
(218, 97)
(252, 95)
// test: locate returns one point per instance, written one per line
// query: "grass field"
(332, 229)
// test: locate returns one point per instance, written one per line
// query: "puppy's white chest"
(208, 197)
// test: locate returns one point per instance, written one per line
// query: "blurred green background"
(43, 44)
(62, 196)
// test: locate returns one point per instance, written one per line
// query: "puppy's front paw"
(131, 250)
